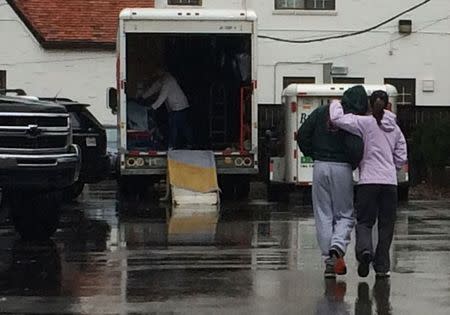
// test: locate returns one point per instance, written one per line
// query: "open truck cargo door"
(212, 56)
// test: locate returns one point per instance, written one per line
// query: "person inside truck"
(335, 153)
(170, 93)
(376, 197)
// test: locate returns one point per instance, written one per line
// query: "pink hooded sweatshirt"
(384, 146)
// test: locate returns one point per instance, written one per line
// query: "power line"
(345, 35)
(379, 45)
(58, 60)
(418, 31)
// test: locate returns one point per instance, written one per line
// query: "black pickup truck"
(37, 161)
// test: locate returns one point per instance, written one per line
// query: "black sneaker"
(329, 267)
(364, 265)
(382, 275)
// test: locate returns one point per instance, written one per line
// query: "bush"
(431, 147)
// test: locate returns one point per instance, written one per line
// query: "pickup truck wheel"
(74, 191)
(36, 215)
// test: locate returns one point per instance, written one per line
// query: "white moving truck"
(212, 55)
(294, 169)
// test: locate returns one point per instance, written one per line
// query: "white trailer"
(212, 54)
(294, 169)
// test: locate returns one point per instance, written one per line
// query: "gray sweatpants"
(332, 196)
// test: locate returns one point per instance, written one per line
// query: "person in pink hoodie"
(376, 196)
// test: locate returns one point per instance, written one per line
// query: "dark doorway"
(298, 80)
(406, 89)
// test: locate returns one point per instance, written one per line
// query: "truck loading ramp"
(192, 177)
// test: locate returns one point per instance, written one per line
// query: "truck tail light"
(133, 153)
(239, 161)
(294, 107)
(295, 154)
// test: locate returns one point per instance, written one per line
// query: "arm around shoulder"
(348, 122)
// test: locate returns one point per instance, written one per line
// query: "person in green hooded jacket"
(335, 153)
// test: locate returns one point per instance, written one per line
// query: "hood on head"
(355, 100)
(389, 121)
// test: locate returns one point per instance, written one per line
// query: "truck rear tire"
(235, 187)
(36, 215)
(136, 187)
(242, 188)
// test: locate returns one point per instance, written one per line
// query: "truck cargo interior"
(213, 70)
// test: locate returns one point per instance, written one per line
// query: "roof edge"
(78, 45)
(24, 19)
(49, 44)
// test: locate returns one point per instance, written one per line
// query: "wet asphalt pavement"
(247, 258)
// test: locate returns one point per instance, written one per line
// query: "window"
(298, 80)
(346, 80)
(305, 4)
(406, 89)
(184, 2)
(2, 79)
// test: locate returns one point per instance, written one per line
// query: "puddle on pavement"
(256, 253)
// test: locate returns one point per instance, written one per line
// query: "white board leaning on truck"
(299, 101)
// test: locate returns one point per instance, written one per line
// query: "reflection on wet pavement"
(135, 257)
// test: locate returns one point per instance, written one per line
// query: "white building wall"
(380, 54)
(383, 53)
(82, 76)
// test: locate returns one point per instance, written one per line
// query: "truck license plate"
(91, 142)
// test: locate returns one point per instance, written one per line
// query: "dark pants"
(180, 132)
(375, 202)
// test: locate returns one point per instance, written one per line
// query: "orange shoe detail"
(340, 268)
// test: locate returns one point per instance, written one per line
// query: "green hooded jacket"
(318, 139)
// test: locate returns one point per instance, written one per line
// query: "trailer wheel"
(36, 215)
(403, 193)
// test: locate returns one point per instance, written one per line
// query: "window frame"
(185, 3)
(305, 7)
